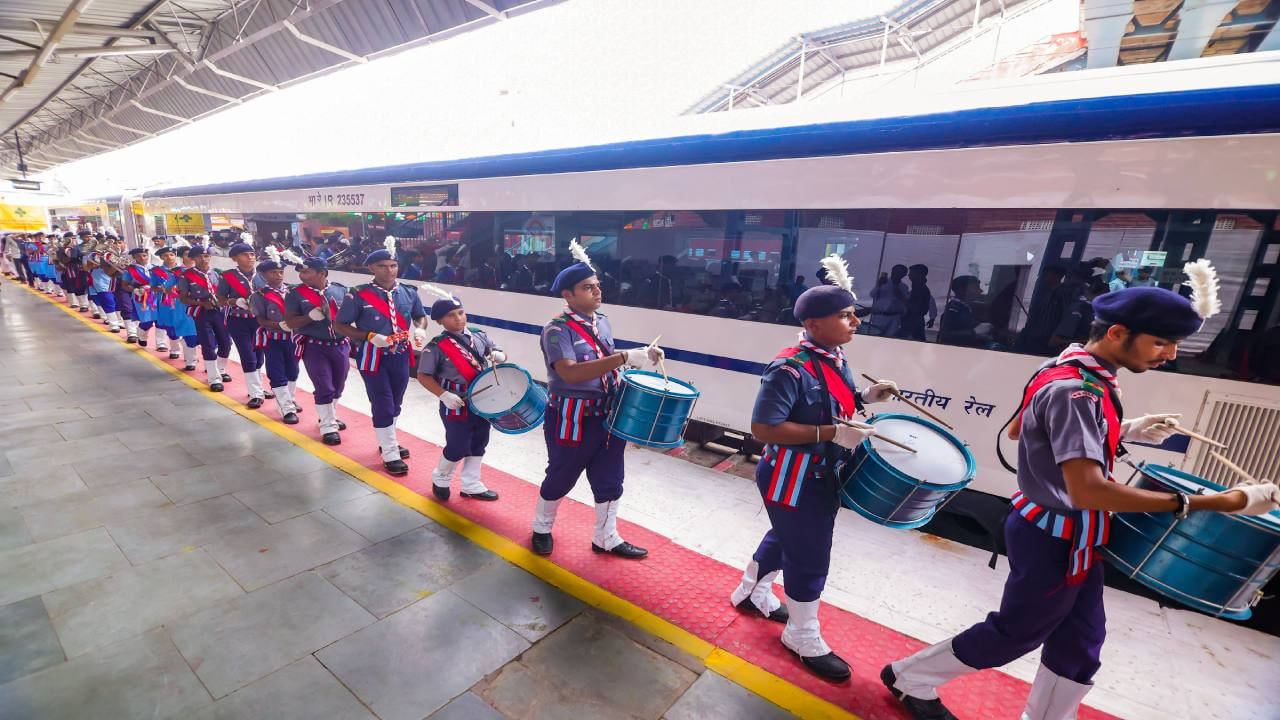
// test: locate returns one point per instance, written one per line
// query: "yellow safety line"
(777, 690)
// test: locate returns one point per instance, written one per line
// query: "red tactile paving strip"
(680, 585)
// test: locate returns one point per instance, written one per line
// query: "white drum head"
(493, 396)
(936, 459)
(655, 382)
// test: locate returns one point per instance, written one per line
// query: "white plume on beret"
(434, 292)
(838, 273)
(580, 253)
(246, 237)
(390, 244)
(273, 253)
(1204, 288)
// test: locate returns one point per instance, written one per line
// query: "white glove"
(1259, 499)
(316, 314)
(419, 339)
(1153, 429)
(639, 357)
(284, 326)
(379, 340)
(497, 357)
(451, 401)
(851, 437)
(242, 303)
(879, 392)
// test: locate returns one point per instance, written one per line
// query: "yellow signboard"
(184, 223)
(137, 208)
(23, 218)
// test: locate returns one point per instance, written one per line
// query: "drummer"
(446, 368)
(802, 392)
(1069, 431)
(583, 373)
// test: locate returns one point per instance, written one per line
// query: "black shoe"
(84, 309)
(342, 425)
(174, 355)
(404, 452)
(780, 615)
(917, 708)
(189, 368)
(542, 543)
(226, 377)
(487, 495)
(440, 491)
(331, 438)
(269, 395)
(290, 419)
(97, 316)
(395, 467)
(131, 340)
(215, 387)
(828, 667)
(622, 549)
(255, 403)
(142, 342)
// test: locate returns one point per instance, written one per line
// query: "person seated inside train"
(1074, 327)
(960, 324)
(1045, 312)
(1144, 278)
(410, 264)
(1263, 360)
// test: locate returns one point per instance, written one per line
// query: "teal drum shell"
(651, 411)
(519, 409)
(1213, 562)
(880, 483)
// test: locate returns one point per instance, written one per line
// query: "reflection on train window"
(1011, 280)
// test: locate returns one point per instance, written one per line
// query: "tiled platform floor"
(162, 557)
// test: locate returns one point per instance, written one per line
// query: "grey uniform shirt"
(561, 342)
(1064, 422)
(435, 363)
(265, 310)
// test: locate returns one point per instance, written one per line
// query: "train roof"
(1217, 111)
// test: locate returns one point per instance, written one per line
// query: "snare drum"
(900, 489)
(1210, 561)
(651, 410)
(508, 398)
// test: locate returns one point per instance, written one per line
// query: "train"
(706, 238)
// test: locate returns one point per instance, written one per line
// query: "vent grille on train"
(1251, 430)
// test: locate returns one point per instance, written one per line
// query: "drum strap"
(587, 330)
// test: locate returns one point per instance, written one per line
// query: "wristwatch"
(1184, 506)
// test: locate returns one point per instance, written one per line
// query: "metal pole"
(800, 82)
(884, 49)
(22, 165)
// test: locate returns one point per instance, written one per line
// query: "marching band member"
(446, 368)
(163, 280)
(274, 339)
(234, 288)
(804, 394)
(1069, 429)
(584, 373)
(196, 287)
(184, 326)
(102, 286)
(136, 281)
(384, 317)
(310, 310)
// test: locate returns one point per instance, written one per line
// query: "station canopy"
(83, 77)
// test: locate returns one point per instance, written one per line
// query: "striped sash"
(570, 413)
(1086, 529)
(459, 389)
(790, 469)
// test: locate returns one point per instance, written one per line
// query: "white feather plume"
(290, 257)
(246, 237)
(580, 253)
(181, 242)
(1204, 288)
(204, 239)
(436, 293)
(838, 272)
(390, 244)
(273, 253)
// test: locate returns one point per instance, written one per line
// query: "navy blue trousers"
(599, 454)
(386, 388)
(211, 329)
(282, 366)
(242, 330)
(1040, 608)
(799, 541)
(327, 366)
(465, 436)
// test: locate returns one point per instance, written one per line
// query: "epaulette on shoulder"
(1092, 383)
(797, 359)
(475, 329)
(559, 320)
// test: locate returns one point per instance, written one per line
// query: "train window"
(926, 240)
(855, 235)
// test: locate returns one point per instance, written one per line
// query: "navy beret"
(822, 301)
(181, 251)
(267, 265)
(164, 249)
(316, 263)
(443, 307)
(138, 251)
(239, 248)
(196, 251)
(1150, 310)
(377, 256)
(571, 276)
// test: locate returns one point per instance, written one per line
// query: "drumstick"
(1191, 434)
(486, 387)
(908, 401)
(891, 441)
(655, 340)
(1233, 467)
